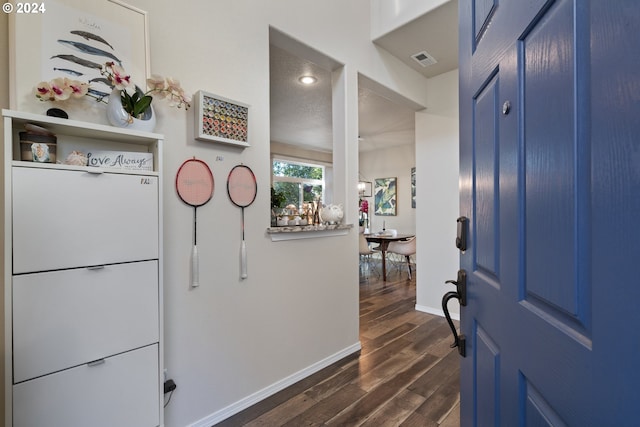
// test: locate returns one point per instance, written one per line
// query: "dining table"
(383, 239)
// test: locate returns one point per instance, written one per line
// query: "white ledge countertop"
(307, 231)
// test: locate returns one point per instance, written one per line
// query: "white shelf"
(73, 135)
(83, 129)
(307, 232)
(90, 169)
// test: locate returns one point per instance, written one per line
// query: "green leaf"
(142, 105)
(126, 102)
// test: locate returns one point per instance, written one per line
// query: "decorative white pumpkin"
(332, 214)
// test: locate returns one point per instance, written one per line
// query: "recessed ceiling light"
(307, 80)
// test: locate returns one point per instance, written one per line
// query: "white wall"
(437, 194)
(4, 103)
(387, 163)
(230, 342)
(387, 15)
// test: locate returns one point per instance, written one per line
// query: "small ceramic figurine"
(76, 158)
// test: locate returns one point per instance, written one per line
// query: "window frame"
(296, 180)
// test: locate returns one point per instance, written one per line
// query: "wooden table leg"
(384, 265)
(383, 250)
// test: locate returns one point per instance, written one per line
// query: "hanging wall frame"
(413, 187)
(219, 119)
(73, 39)
(365, 189)
(385, 196)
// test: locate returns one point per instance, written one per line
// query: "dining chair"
(406, 248)
(365, 253)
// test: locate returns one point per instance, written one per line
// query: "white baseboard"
(256, 397)
(436, 311)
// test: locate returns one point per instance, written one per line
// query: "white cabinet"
(113, 309)
(83, 282)
(92, 218)
(117, 391)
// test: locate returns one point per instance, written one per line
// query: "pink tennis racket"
(242, 189)
(194, 184)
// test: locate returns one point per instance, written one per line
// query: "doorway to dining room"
(387, 164)
(386, 157)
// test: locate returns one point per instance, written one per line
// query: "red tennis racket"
(194, 184)
(242, 189)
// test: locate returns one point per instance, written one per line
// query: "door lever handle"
(461, 286)
(461, 295)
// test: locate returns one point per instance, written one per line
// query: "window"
(298, 182)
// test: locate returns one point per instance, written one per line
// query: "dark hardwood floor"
(405, 375)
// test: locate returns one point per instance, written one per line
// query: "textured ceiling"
(301, 115)
(383, 123)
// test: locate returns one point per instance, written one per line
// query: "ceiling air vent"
(424, 59)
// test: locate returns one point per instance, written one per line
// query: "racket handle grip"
(195, 267)
(243, 260)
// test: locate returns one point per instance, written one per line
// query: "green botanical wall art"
(385, 196)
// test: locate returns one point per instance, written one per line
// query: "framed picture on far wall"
(413, 187)
(365, 189)
(385, 195)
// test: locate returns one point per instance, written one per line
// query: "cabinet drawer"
(70, 317)
(67, 218)
(122, 391)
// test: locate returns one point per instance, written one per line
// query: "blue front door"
(550, 182)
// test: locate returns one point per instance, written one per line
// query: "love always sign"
(120, 160)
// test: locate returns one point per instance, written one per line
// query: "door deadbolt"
(461, 236)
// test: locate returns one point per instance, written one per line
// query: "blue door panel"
(548, 108)
(486, 178)
(538, 412)
(487, 378)
(482, 10)
(615, 177)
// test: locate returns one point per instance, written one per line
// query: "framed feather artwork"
(74, 39)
